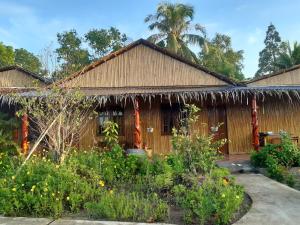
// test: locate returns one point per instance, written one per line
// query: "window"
(172, 116)
(116, 115)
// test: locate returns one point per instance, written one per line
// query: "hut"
(15, 79)
(145, 80)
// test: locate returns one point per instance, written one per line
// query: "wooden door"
(217, 125)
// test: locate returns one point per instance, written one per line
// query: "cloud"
(22, 27)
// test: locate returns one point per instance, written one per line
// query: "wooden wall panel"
(239, 128)
(150, 118)
(143, 66)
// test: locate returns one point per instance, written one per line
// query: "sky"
(33, 24)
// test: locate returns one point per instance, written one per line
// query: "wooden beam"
(255, 134)
(24, 128)
(137, 126)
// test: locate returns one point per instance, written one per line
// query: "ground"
(273, 203)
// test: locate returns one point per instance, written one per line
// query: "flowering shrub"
(214, 200)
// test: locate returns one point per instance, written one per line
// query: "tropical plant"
(269, 55)
(173, 22)
(290, 57)
(222, 58)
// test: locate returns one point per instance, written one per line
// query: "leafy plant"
(199, 152)
(128, 206)
(111, 134)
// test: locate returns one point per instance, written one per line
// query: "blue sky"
(33, 24)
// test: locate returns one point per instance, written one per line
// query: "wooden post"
(255, 135)
(137, 125)
(24, 128)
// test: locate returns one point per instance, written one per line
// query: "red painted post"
(24, 128)
(255, 135)
(137, 125)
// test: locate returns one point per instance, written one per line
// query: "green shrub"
(215, 201)
(42, 188)
(286, 153)
(198, 152)
(128, 206)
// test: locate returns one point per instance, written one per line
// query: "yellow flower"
(237, 197)
(22, 185)
(14, 189)
(33, 187)
(68, 198)
(57, 166)
(53, 194)
(45, 189)
(28, 173)
(57, 199)
(111, 192)
(13, 177)
(32, 190)
(225, 182)
(223, 195)
(101, 183)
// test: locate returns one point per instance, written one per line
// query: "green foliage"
(111, 137)
(199, 153)
(277, 159)
(7, 125)
(290, 57)
(214, 201)
(42, 188)
(173, 21)
(128, 206)
(222, 58)
(286, 153)
(6, 55)
(270, 54)
(28, 61)
(70, 53)
(104, 41)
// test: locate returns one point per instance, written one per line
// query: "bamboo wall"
(288, 78)
(150, 118)
(16, 78)
(273, 115)
(143, 66)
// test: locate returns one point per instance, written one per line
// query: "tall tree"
(290, 57)
(222, 58)
(27, 60)
(104, 41)
(269, 55)
(6, 55)
(173, 23)
(70, 53)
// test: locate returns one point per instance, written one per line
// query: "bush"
(128, 206)
(198, 152)
(277, 159)
(42, 188)
(213, 202)
(286, 153)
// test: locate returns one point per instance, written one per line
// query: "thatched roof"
(29, 73)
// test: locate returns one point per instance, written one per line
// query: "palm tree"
(290, 57)
(173, 22)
